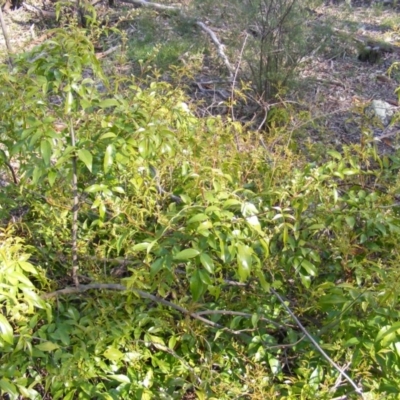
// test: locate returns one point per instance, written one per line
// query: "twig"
(235, 76)
(14, 176)
(238, 313)
(317, 346)
(74, 248)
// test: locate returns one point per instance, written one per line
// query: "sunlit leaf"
(108, 158)
(45, 151)
(207, 262)
(244, 259)
(6, 331)
(47, 346)
(186, 254)
(113, 354)
(86, 157)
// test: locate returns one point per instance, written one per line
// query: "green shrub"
(207, 228)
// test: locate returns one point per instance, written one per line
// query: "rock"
(382, 110)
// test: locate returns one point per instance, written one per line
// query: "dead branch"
(107, 52)
(44, 14)
(156, 6)
(144, 295)
(220, 47)
(317, 346)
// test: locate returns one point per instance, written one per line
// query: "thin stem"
(74, 232)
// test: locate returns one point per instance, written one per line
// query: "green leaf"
(6, 331)
(156, 267)
(45, 151)
(386, 330)
(186, 254)
(69, 100)
(52, 176)
(335, 154)
(333, 299)
(207, 262)
(108, 103)
(309, 267)
(118, 189)
(196, 286)
(47, 346)
(108, 158)
(107, 135)
(231, 202)
(8, 387)
(29, 393)
(244, 260)
(86, 157)
(352, 342)
(205, 277)
(95, 188)
(120, 378)
(140, 246)
(198, 218)
(249, 209)
(113, 354)
(28, 267)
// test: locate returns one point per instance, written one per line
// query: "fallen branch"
(44, 14)
(204, 27)
(220, 46)
(107, 52)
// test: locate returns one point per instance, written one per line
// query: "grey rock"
(382, 110)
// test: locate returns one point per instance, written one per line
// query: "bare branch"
(241, 314)
(318, 347)
(204, 27)
(43, 13)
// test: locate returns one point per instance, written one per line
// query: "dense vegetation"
(198, 263)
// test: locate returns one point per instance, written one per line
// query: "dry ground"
(335, 86)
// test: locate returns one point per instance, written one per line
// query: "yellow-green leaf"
(6, 331)
(47, 346)
(86, 157)
(186, 254)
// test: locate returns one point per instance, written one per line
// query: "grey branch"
(203, 27)
(318, 347)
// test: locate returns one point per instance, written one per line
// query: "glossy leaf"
(6, 331)
(186, 254)
(86, 157)
(108, 158)
(207, 262)
(244, 260)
